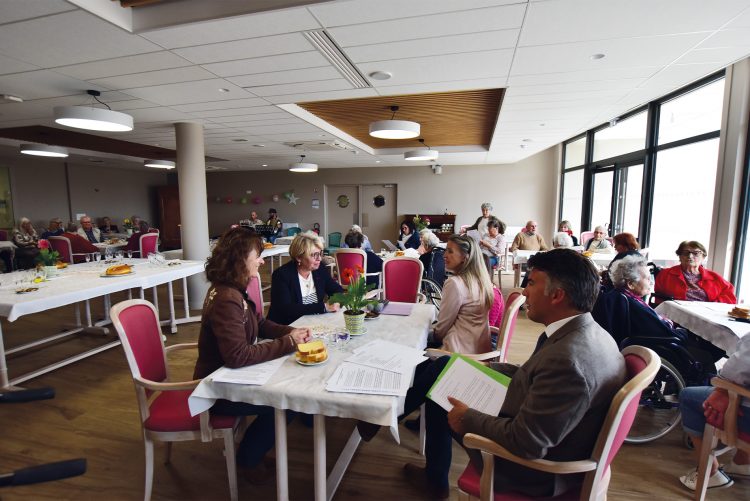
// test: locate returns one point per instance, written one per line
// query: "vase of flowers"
(354, 299)
(420, 223)
(47, 258)
(128, 225)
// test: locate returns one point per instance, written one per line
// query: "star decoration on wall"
(293, 198)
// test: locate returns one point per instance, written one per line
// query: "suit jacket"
(95, 230)
(555, 405)
(286, 295)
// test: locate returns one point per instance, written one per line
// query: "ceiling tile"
(263, 111)
(124, 65)
(728, 38)
(530, 90)
(456, 23)
(222, 105)
(281, 62)
(318, 96)
(243, 49)
(9, 65)
(454, 44)
(17, 10)
(560, 22)
(286, 77)
(190, 92)
(473, 65)
(741, 21)
(234, 28)
(453, 85)
(301, 87)
(150, 78)
(591, 75)
(715, 55)
(63, 39)
(619, 53)
(41, 84)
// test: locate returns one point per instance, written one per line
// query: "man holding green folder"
(556, 402)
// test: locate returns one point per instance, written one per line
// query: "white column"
(191, 177)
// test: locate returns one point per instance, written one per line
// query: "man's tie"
(540, 342)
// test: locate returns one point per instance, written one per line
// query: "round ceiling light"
(416, 155)
(394, 129)
(44, 150)
(303, 166)
(83, 117)
(159, 164)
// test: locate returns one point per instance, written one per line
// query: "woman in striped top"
(300, 286)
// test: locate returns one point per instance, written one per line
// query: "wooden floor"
(94, 416)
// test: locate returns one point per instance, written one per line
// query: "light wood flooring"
(94, 416)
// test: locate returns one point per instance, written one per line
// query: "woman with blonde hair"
(467, 298)
(300, 286)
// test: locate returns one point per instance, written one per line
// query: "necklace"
(308, 283)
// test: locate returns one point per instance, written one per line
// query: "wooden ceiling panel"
(446, 118)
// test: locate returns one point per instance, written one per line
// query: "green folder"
(497, 376)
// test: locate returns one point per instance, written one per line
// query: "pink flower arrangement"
(44, 244)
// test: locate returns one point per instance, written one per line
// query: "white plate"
(104, 275)
(309, 364)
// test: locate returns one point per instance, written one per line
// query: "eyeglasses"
(691, 253)
(316, 255)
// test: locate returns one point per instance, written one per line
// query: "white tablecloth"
(84, 281)
(708, 320)
(303, 388)
(598, 258)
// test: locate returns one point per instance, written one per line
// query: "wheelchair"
(433, 276)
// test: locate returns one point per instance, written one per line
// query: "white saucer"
(310, 364)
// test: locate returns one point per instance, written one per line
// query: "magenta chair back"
(349, 259)
(63, 247)
(148, 244)
(402, 277)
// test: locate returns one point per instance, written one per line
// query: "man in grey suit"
(556, 401)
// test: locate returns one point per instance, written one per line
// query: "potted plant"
(48, 258)
(354, 299)
(421, 223)
(128, 225)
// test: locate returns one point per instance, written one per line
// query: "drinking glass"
(97, 256)
(130, 253)
(108, 254)
(88, 257)
(119, 255)
(342, 337)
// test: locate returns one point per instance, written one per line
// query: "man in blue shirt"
(89, 231)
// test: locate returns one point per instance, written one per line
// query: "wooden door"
(169, 217)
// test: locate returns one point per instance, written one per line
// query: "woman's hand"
(331, 308)
(301, 334)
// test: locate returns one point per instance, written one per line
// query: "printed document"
(389, 356)
(257, 374)
(354, 378)
(476, 385)
(392, 308)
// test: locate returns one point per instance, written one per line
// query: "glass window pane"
(628, 135)
(683, 197)
(743, 295)
(572, 199)
(632, 210)
(575, 153)
(694, 113)
(602, 207)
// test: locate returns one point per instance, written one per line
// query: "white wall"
(519, 192)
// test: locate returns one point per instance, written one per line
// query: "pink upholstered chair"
(149, 243)
(63, 247)
(585, 237)
(402, 277)
(163, 405)
(642, 365)
(349, 258)
(508, 326)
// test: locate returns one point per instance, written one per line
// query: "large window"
(651, 172)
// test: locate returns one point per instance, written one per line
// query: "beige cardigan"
(462, 324)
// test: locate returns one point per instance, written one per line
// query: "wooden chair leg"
(229, 452)
(149, 447)
(710, 441)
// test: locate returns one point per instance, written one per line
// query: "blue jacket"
(374, 265)
(286, 295)
(413, 241)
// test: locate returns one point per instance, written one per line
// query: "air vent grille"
(326, 46)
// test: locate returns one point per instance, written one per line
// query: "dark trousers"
(260, 435)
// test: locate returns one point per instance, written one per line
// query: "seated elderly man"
(599, 242)
(54, 229)
(556, 402)
(529, 239)
(78, 244)
(89, 231)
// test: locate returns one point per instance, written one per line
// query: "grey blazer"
(555, 405)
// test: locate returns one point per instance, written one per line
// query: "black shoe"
(412, 424)
(417, 477)
(367, 430)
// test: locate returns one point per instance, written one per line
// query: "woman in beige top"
(467, 298)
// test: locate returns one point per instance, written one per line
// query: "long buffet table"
(79, 283)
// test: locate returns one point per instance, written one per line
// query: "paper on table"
(476, 385)
(389, 356)
(353, 378)
(257, 374)
(397, 309)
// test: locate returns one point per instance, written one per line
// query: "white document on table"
(257, 374)
(354, 378)
(476, 385)
(389, 356)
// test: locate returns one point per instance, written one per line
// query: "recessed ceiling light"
(526, 140)
(597, 56)
(264, 165)
(240, 140)
(44, 150)
(542, 125)
(159, 164)
(377, 161)
(523, 146)
(11, 98)
(381, 75)
(223, 90)
(258, 145)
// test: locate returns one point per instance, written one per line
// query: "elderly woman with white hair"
(481, 223)
(301, 286)
(432, 256)
(599, 243)
(366, 245)
(27, 241)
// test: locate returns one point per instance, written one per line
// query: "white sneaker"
(716, 481)
(741, 470)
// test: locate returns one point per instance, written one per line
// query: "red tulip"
(44, 244)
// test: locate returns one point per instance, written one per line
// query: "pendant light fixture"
(394, 129)
(159, 164)
(416, 155)
(44, 150)
(303, 166)
(89, 118)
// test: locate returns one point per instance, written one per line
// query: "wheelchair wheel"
(659, 407)
(432, 291)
